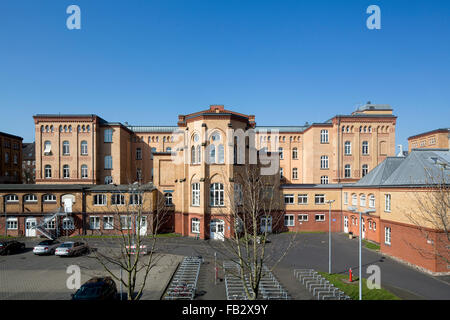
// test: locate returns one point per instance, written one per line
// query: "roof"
(420, 168)
(10, 135)
(120, 188)
(370, 106)
(310, 186)
(443, 130)
(281, 128)
(72, 187)
(153, 129)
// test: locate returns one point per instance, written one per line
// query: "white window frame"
(51, 224)
(303, 197)
(324, 180)
(347, 148)
(324, 136)
(49, 198)
(12, 198)
(195, 225)
(317, 197)
(68, 223)
(66, 148)
(84, 172)
(195, 194)
(294, 153)
(365, 148)
(216, 195)
(362, 200)
(94, 222)
(168, 198)
(108, 222)
(371, 201)
(108, 179)
(387, 202)
(324, 162)
(347, 169)
(84, 148)
(66, 171)
(302, 217)
(290, 197)
(117, 199)
(319, 217)
(99, 199)
(289, 220)
(387, 235)
(125, 222)
(12, 223)
(354, 199)
(30, 198)
(47, 171)
(345, 197)
(294, 173)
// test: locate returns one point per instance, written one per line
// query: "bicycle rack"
(184, 282)
(269, 287)
(320, 287)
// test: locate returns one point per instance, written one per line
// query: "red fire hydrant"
(350, 275)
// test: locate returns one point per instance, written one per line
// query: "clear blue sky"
(287, 62)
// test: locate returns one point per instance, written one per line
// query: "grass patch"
(162, 235)
(167, 235)
(371, 245)
(352, 290)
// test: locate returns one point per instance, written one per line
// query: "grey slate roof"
(281, 128)
(310, 186)
(145, 129)
(420, 167)
(121, 188)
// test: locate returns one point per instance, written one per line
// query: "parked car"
(46, 247)
(98, 288)
(11, 246)
(71, 248)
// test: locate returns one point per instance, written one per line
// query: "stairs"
(49, 233)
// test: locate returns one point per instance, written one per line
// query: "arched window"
(348, 147)
(152, 152)
(193, 155)
(168, 149)
(30, 198)
(294, 153)
(84, 148)
(84, 171)
(216, 195)
(365, 169)
(88, 128)
(66, 171)
(371, 201)
(280, 151)
(354, 199)
(12, 198)
(46, 128)
(362, 200)
(47, 171)
(70, 128)
(65, 128)
(47, 148)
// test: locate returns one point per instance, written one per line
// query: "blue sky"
(287, 62)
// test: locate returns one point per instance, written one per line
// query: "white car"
(46, 247)
(71, 248)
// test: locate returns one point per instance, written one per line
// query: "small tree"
(254, 202)
(135, 254)
(430, 214)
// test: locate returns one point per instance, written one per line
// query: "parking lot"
(26, 276)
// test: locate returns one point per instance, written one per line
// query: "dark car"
(98, 288)
(11, 246)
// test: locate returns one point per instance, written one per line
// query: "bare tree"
(430, 214)
(130, 248)
(255, 208)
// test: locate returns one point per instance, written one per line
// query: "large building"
(434, 139)
(28, 163)
(10, 158)
(348, 159)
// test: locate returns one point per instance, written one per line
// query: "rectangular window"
(302, 217)
(196, 194)
(289, 220)
(11, 223)
(387, 202)
(100, 200)
(195, 227)
(108, 180)
(108, 222)
(319, 199)
(125, 222)
(108, 162)
(302, 199)
(68, 224)
(49, 198)
(118, 199)
(288, 199)
(51, 224)
(94, 222)
(320, 217)
(135, 199)
(345, 197)
(138, 154)
(387, 235)
(108, 135)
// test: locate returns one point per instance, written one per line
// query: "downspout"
(83, 211)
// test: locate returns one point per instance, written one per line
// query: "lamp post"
(329, 235)
(353, 209)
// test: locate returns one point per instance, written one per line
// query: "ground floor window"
(125, 222)
(11, 223)
(289, 220)
(108, 222)
(51, 224)
(195, 225)
(303, 217)
(68, 224)
(94, 222)
(387, 235)
(320, 217)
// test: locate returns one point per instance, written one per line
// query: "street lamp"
(329, 235)
(353, 209)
